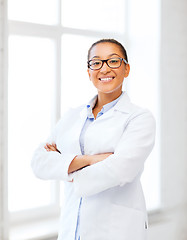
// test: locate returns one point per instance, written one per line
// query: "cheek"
(90, 73)
(122, 73)
(93, 76)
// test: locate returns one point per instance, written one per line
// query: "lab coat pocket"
(127, 223)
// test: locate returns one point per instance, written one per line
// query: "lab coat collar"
(123, 105)
(92, 103)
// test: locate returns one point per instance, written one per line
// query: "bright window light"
(34, 11)
(105, 15)
(31, 83)
(76, 86)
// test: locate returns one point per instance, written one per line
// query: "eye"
(114, 60)
(95, 63)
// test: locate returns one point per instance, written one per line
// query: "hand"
(51, 147)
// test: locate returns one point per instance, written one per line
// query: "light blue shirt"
(89, 120)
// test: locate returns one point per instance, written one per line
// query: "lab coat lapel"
(123, 105)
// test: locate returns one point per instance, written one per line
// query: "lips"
(106, 79)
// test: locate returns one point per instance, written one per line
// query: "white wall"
(173, 87)
(1, 126)
(3, 95)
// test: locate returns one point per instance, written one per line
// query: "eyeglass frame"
(106, 61)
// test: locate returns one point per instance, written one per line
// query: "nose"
(105, 68)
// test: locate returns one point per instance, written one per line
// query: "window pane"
(31, 76)
(76, 86)
(105, 15)
(34, 11)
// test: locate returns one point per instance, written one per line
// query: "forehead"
(104, 50)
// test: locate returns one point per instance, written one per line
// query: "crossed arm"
(79, 161)
(112, 169)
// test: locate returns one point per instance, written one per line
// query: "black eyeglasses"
(97, 64)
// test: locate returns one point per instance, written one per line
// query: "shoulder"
(142, 119)
(134, 111)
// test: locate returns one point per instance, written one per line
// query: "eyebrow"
(108, 55)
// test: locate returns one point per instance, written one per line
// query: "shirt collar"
(90, 105)
(104, 109)
(123, 105)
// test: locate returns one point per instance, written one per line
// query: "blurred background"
(43, 72)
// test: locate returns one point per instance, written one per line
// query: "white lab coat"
(113, 206)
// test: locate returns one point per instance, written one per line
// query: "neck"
(104, 98)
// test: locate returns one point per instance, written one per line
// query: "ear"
(88, 71)
(127, 70)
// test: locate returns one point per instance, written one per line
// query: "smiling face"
(106, 79)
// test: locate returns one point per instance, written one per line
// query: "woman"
(99, 151)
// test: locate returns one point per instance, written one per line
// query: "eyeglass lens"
(112, 63)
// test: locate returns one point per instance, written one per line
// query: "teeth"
(106, 79)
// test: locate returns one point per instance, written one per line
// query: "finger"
(53, 148)
(49, 147)
(46, 148)
(53, 144)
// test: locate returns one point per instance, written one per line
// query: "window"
(47, 38)
(30, 111)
